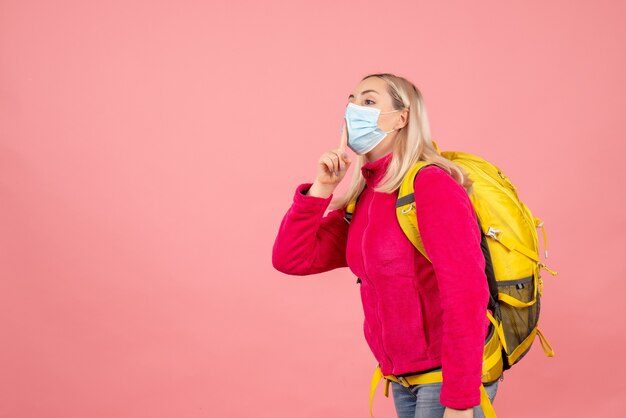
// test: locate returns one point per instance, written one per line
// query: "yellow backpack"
(511, 248)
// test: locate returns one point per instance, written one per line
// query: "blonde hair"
(413, 143)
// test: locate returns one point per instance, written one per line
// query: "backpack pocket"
(518, 322)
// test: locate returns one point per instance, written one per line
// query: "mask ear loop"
(391, 111)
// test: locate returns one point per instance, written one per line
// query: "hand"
(458, 413)
(331, 168)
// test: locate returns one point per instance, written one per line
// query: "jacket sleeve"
(307, 241)
(451, 236)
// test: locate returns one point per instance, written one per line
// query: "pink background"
(148, 151)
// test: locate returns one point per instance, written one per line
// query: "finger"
(335, 162)
(346, 158)
(343, 142)
(328, 167)
(338, 160)
(331, 167)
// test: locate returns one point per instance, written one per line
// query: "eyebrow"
(363, 92)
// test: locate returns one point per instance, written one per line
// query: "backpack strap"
(406, 198)
(405, 205)
(422, 379)
(351, 206)
(436, 147)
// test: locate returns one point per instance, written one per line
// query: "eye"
(368, 100)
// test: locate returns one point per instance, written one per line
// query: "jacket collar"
(373, 171)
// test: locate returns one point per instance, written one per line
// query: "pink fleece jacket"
(418, 315)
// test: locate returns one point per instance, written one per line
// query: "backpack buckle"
(492, 233)
(403, 381)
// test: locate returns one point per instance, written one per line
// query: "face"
(372, 92)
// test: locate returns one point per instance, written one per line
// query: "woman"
(419, 315)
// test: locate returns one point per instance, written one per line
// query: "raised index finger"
(343, 142)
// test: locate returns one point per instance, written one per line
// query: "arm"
(308, 242)
(449, 230)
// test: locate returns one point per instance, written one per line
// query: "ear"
(404, 119)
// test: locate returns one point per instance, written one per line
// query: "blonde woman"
(419, 316)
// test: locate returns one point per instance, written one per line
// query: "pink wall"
(148, 151)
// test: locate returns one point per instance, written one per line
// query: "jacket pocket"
(423, 315)
(403, 328)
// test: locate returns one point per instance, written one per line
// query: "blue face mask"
(362, 125)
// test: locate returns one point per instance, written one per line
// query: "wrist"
(320, 190)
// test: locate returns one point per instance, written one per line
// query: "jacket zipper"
(380, 327)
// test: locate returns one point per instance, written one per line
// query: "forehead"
(371, 83)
